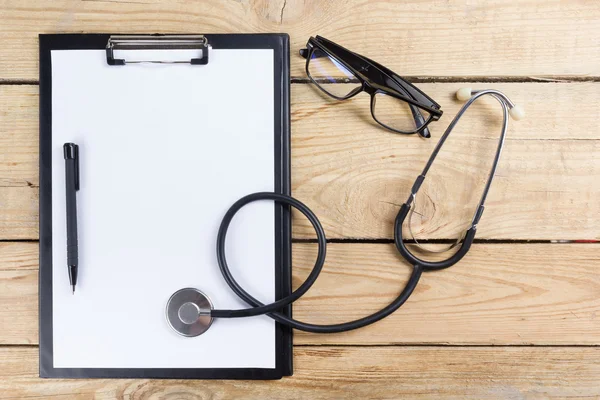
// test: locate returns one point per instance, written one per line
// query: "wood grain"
(19, 217)
(354, 175)
(418, 38)
(339, 372)
(501, 294)
(20, 256)
(19, 136)
(19, 299)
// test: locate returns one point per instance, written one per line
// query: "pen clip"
(76, 167)
(72, 152)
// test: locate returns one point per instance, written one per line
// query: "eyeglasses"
(395, 103)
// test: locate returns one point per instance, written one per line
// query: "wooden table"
(518, 317)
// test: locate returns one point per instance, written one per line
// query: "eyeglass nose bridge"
(357, 90)
(367, 87)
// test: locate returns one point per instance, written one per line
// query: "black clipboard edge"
(45, 211)
(283, 251)
(286, 216)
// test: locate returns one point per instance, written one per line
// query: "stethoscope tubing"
(273, 309)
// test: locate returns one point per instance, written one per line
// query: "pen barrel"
(71, 200)
(72, 254)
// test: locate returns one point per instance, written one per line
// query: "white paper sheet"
(164, 152)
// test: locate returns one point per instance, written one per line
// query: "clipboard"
(146, 126)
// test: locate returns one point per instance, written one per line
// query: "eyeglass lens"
(331, 75)
(397, 114)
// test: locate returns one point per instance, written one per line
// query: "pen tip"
(73, 288)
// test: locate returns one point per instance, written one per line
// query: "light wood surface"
(355, 175)
(518, 318)
(325, 372)
(501, 294)
(551, 38)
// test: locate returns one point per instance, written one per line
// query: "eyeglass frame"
(362, 69)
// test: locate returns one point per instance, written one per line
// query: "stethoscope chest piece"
(188, 312)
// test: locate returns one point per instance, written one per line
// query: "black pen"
(72, 185)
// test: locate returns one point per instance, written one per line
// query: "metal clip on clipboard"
(157, 42)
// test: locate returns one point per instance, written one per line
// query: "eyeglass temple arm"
(416, 112)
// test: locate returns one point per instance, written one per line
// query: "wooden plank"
(354, 174)
(19, 311)
(19, 139)
(501, 294)
(19, 217)
(549, 111)
(20, 256)
(339, 372)
(459, 38)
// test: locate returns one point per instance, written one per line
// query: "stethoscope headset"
(190, 312)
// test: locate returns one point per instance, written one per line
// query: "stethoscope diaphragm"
(188, 312)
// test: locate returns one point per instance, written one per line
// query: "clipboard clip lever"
(157, 42)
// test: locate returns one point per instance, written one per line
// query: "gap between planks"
(420, 79)
(379, 345)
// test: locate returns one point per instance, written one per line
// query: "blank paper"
(164, 152)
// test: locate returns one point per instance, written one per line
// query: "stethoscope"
(190, 312)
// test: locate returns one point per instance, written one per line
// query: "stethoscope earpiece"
(517, 112)
(464, 94)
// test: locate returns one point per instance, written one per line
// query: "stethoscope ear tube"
(429, 265)
(471, 96)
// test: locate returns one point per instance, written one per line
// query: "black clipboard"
(279, 43)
